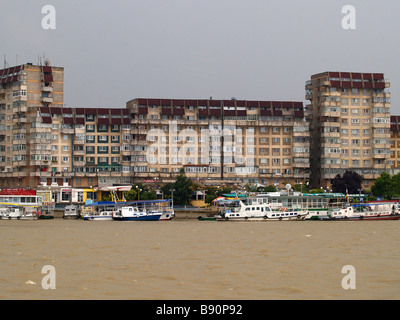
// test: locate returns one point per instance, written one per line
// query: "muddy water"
(190, 259)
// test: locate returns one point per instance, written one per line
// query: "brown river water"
(207, 260)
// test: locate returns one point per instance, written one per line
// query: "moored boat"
(367, 211)
(71, 212)
(207, 218)
(100, 211)
(148, 207)
(15, 213)
(133, 213)
(254, 209)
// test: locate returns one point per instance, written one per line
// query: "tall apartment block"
(395, 144)
(350, 125)
(24, 147)
(220, 141)
(44, 143)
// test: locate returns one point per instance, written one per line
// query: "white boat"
(4, 212)
(368, 211)
(318, 206)
(134, 213)
(15, 213)
(167, 214)
(147, 210)
(101, 211)
(254, 209)
(71, 212)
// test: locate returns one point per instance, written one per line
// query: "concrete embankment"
(179, 213)
(192, 214)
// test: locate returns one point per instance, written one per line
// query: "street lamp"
(172, 193)
(138, 192)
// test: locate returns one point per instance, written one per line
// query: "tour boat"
(15, 213)
(71, 212)
(4, 212)
(100, 211)
(134, 213)
(368, 211)
(31, 215)
(254, 209)
(146, 208)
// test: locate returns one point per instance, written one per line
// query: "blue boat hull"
(142, 218)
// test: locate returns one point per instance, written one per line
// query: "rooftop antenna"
(5, 62)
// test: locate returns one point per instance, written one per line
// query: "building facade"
(346, 125)
(24, 147)
(220, 141)
(350, 127)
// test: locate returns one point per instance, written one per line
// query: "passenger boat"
(29, 215)
(4, 211)
(100, 211)
(146, 207)
(135, 213)
(15, 213)
(255, 209)
(71, 212)
(368, 211)
(317, 205)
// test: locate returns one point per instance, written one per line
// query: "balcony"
(80, 141)
(79, 152)
(47, 100)
(67, 130)
(47, 89)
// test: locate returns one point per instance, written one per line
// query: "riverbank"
(180, 213)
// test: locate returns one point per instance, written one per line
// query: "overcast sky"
(114, 51)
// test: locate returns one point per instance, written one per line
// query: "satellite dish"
(288, 187)
(47, 62)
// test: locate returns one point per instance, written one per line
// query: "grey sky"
(114, 51)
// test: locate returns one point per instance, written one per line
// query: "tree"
(350, 182)
(183, 189)
(136, 194)
(386, 187)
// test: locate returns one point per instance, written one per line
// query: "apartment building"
(220, 141)
(44, 143)
(87, 147)
(346, 125)
(23, 148)
(395, 144)
(350, 125)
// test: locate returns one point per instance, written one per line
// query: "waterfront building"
(395, 144)
(25, 148)
(350, 127)
(220, 141)
(346, 125)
